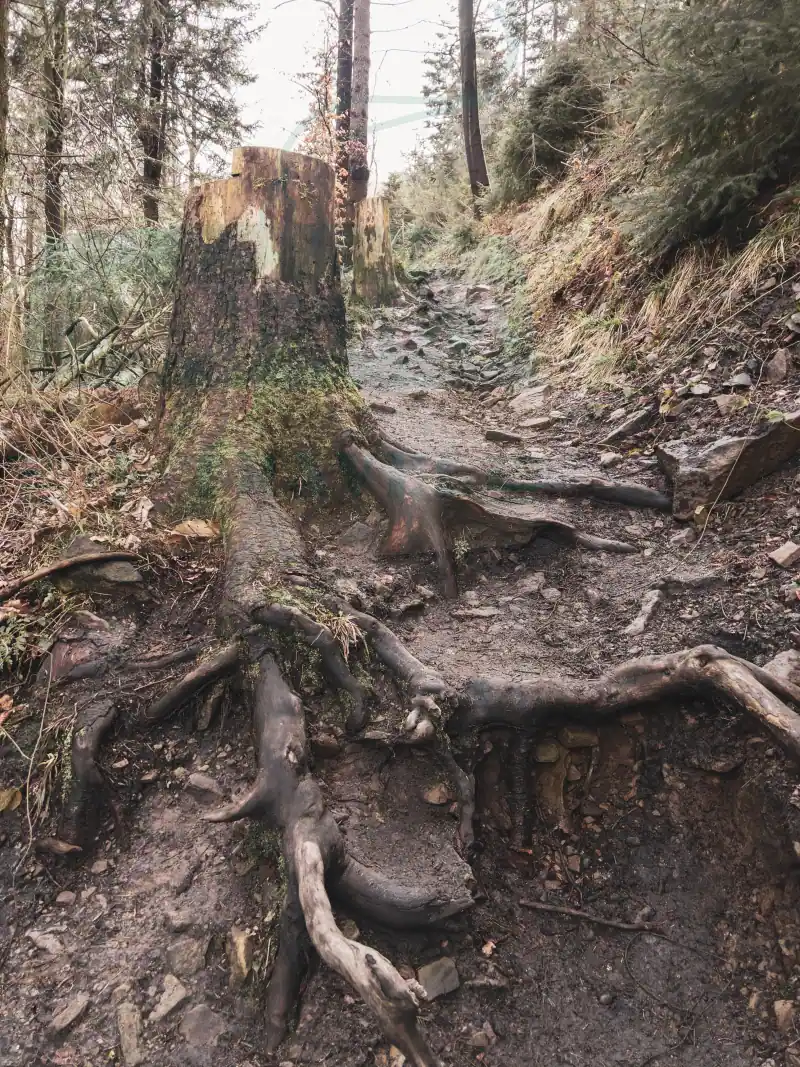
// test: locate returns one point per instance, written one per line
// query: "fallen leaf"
(143, 508)
(198, 528)
(489, 948)
(10, 799)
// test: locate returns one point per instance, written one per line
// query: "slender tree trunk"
(359, 111)
(473, 144)
(55, 60)
(154, 106)
(524, 41)
(344, 92)
(4, 5)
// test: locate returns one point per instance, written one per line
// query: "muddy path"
(684, 816)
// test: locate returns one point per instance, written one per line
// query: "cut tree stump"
(373, 269)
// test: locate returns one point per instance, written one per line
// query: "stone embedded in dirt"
(358, 536)
(475, 293)
(577, 737)
(606, 999)
(786, 666)
(69, 1015)
(439, 977)
(573, 773)
(650, 603)
(503, 436)
(787, 555)
(48, 943)
(531, 583)
(742, 380)
(204, 788)
(410, 344)
(684, 537)
(640, 420)
(539, 423)
(476, 613)
(201, 1026)
(187, 956)
(551, 595)
(239, 949)
(174, 994)
(777, 368)
(129, 1029)
(721, 470)
(574, 864)
(784, 1015)
(530, 399)
(65, 899)
(700, 389)
(99, 867)
(727, 403)
(610, 459)
(178, 922)
(383, 406)
(547, 752)
(98, 577)
(548, 787)
(326, 745)
(438, 795)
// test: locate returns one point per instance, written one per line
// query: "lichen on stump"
(374, 281)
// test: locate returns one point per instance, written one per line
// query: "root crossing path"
(671, 823)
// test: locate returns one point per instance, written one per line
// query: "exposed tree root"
(319, 637)
(628, 493)
(291, 801)
(59, 567)
(526, 705)
(224, 662)
(79, 816)
(419, 514)
(574, 913)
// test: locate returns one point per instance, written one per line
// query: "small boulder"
(187, 956)
(541, 422)
(777, 368)
(202, 1027)
(65, 899)
(204, 788)
(502, 436)
(439, 978)
(69, 1015)
(48, 943)
(174, 994)
(787, 556)
(610, 459)
(530, 399)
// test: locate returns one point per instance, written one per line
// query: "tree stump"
(256, 388)
(373, 269)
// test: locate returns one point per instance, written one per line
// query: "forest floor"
(684, 815)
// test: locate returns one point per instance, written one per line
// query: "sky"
(402, 31)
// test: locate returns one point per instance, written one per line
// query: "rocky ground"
(156, 948)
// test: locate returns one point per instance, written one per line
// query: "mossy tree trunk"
(373, 269)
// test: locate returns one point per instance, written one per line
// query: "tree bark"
(4, 5)
(153, 125)
(54, 76)
(344, 90)
(473, 144)
(373, 270)
(359, 112)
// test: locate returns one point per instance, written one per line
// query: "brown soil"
(684, 815)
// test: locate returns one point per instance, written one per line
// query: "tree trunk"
(344, 91)
(4, 5)
(359, 112)
(473, 144)
(152, 125)
(54, 76)
(373, 269)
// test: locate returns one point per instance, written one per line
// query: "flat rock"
(610, 459)
(700, 476)
(503, 436)
(438, 795)
(541, 422)
(69, 1015)
(358, 536)
(201, 1026)
(727, 403)
(103, 577)
(48, 943)
(439, 977)
(129, 1030)
(786, 666)
(177, 921)
(784, 1015)
(637, 422)
(204, 787)
(187, 955)
(174, 994)
(531, 399)
(65, 899)
(547, 752)
(99, 867)
(788, 555)
(476, 613)
(778, 366)
(531, 583)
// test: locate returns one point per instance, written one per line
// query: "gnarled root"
(524, 706)
(628, 493)
(79, 815)
(221, 664)
(291, 800)
(318, 636)
(420, 513)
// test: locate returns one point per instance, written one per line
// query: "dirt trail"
(681, 816)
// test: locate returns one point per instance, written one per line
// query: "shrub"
(717, 113)
(562, 110)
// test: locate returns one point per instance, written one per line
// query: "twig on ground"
(574, 913)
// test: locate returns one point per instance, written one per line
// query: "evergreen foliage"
(562, 109)
(717, 112)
